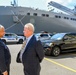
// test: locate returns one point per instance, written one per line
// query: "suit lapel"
(30, 43)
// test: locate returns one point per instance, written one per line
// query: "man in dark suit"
(5, 57)
(32, 53)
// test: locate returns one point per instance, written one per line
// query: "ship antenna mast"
(14, 3)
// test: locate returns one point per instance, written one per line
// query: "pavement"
(65, 64)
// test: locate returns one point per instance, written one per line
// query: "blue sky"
(41, 4)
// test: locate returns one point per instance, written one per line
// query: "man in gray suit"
(32, 53)
(5, 57)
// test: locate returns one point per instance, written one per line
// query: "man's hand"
(5, 73)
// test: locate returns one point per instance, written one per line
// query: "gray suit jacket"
(32, 57)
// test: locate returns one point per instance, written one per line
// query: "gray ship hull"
(41, 24)
(49, 24)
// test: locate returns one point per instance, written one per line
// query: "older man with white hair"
(32, 53)
(5, 57)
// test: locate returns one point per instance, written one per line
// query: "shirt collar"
(29, 38)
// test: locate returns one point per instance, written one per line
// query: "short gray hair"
(30, 26)
(1, 26)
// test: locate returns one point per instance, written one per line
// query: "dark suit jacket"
(5, 57)
(32, 57)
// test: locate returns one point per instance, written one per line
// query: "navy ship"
(15, 17)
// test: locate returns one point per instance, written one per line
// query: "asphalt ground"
(65, 64)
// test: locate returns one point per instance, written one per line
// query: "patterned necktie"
(23, 45)
(22, 49)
